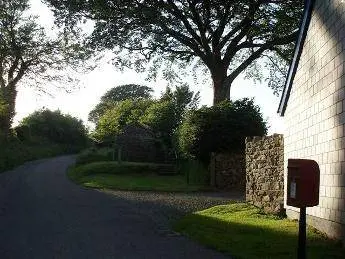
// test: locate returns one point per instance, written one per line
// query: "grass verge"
(241, 231)
(130, 176)
(15, 153)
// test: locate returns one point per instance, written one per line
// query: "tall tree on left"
(28, 55)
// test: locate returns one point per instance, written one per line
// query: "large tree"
(227, 37)
(28, 55)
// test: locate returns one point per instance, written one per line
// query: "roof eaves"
(297, 54)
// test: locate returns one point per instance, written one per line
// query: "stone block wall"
(265, 172)
(228, 171)
(315, 114)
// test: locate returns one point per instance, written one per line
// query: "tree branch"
(255, 55)
(184, 20)
(201, 27)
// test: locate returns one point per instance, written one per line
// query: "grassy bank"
(242, 231)
(15, 153)
(130, 176)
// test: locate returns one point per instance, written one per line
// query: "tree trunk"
(221, 87)
(8, 96)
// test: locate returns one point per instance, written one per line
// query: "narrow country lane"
(44, 215)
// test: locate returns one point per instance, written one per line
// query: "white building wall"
(315, 113)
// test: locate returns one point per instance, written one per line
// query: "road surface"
(44, 215)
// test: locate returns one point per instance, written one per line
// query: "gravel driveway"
(44, 215)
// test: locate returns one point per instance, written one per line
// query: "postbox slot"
(293, 189)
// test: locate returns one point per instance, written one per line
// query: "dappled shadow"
(165, 208)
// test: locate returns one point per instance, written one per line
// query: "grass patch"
(130, 176)
(120, 168)
(134, 182)
(240, 230)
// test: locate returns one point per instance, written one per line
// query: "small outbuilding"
(139, 144)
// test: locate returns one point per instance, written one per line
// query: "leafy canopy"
(118, 94)
(163, 115)
(113, 121)
(226, 37)
(29, 57)
(27, 50)
(56, 127)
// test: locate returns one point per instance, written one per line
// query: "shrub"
(221, 128)
(23, 132)
(56, 127)
(16, 152)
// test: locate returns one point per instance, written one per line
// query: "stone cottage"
(313, 106)
(139, 144)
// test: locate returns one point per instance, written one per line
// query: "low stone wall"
(265, 172)
(228, 171)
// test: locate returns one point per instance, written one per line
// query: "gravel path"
(165, 208)
(44, 215)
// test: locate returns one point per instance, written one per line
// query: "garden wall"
(265, 172)
(228, 171)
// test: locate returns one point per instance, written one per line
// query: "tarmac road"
(44, 215)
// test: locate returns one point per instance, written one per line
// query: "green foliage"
(165, 115)
(160, 117)
(42, 134)
(96, 113)
(56, 127)
(14, 152)
(94, 155)
(23, 132)
(118, 94)
(130, 91)
(30, 57)
(183, 99)
(226, 37)
(242, 231)
(221, 128)
(114, 120)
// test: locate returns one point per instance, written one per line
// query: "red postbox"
(303, 183)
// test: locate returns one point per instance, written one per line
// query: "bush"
(56, 127)
(221, 128)
(23, 132)
(15, 152)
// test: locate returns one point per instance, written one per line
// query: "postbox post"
(303, 185)
(302, 234)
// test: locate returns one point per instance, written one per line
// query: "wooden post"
(119, 155)
(213, 170)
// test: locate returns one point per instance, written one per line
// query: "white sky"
(95, 84)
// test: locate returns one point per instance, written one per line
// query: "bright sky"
(95, 84)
